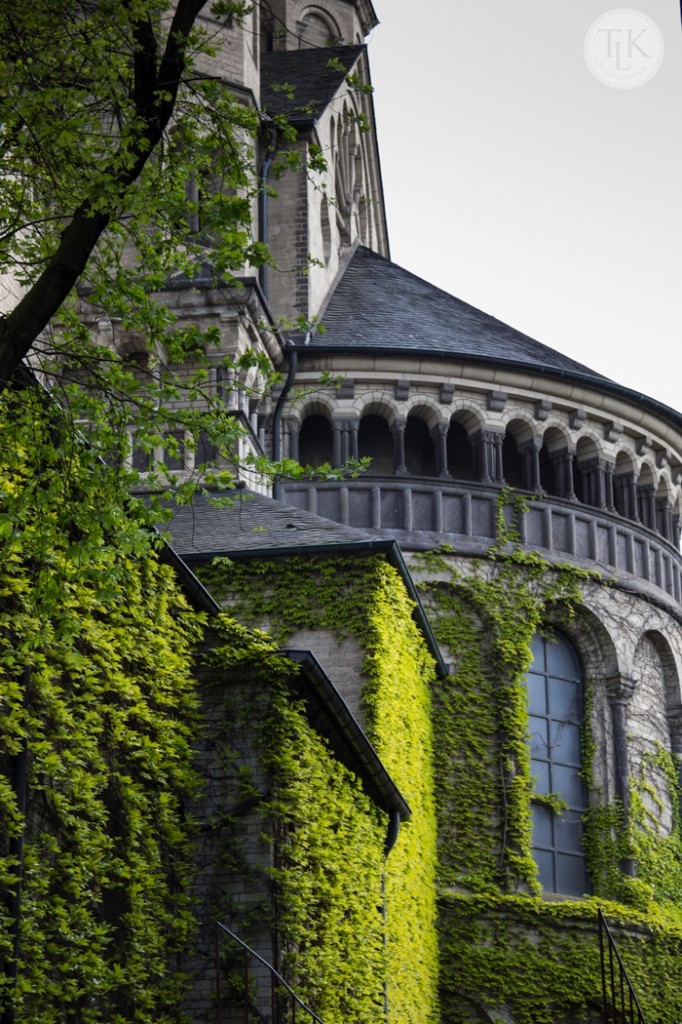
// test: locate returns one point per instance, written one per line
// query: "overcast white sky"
(517, 181)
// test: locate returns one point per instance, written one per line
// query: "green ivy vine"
(328, 838)
(506, 948)
(97, 697)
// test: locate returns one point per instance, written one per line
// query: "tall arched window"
(555, 699)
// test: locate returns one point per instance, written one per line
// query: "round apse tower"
(453, 407)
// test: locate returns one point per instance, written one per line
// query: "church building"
(520, 730)
(440, 727)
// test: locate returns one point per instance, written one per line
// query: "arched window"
(555, 699)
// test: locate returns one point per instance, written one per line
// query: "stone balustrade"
(422, 513)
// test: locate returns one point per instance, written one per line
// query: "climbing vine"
(329, 838)
(506, 948)
(98, 706)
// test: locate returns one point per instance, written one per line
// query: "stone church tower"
(461, 415)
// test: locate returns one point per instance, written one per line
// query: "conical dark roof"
(379, 305)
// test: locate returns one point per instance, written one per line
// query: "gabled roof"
(378, 305)
(299, 84)
(251, 524)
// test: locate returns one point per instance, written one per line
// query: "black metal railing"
(284, 1003)
(620, 1004)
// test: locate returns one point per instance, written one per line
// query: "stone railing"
(422, 513)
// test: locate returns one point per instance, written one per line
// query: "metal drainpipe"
(389, 843)
(16, 852)
(277, 416)
(270, 151)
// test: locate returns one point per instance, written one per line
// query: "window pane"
(568, 832)
(561, 661)
(564, 698)
(538, 649)
(539, 746)
(537, 697)
(542, 826)
(540, 771)
(567, 782)
(570, 875)
(545, 863)
(565, 742)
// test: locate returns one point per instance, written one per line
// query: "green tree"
(111, 113)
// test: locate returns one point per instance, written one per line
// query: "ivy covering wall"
(329, 838)
(507, 951)
(97, 701)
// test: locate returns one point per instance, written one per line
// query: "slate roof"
(377, 304)
(252, 523)
(307, 72)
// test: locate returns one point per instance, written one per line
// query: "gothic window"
(555, 699)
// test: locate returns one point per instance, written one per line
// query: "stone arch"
(428, 408)
(470, 415)
(317, 29)
(378, 403)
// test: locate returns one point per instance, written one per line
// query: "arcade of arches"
(411, 448)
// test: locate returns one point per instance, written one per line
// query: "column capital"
(620, 689)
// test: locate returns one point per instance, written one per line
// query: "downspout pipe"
(277, 417)
(389, 843)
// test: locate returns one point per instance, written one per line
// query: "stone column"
(563, 469)
(647, 502)
(619, 691)
(498, 466)
(608, 486)
(398, 431)
(337, 436)
(352, 427)
(530, 452)
(439, 436)
(664, 518)
(294, 430)
(483, 444)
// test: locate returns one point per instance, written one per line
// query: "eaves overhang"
(330, 716)
(537, 369)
